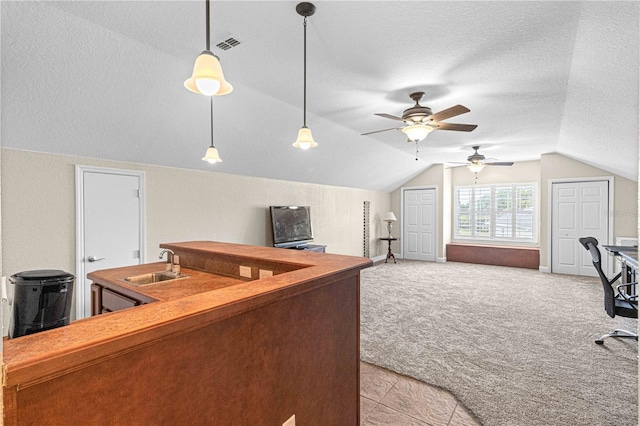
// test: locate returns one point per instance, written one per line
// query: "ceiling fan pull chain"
(416, 150)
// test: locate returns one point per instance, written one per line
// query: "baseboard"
(441, 260)
(383, 257)
(544, 269)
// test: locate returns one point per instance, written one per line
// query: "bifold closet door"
(579, 209)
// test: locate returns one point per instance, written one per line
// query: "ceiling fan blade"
(393, 117)
(378, 131)
(458, 162)
(499, 163)
(448, 113)
(454, 126)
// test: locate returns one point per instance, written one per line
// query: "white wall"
(38, 209)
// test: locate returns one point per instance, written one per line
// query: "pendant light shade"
(305, 139)
(207, 77)
(417, 132)
(212, 156)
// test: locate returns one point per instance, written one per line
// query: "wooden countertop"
(195, 282)
(180, 307)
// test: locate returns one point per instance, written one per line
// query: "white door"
(419, 224)
(579, 209)
(110, 221)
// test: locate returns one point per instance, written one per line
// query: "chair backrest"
(591, 244)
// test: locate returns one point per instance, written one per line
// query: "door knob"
(94, 259)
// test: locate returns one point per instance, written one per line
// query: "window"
(504, 212)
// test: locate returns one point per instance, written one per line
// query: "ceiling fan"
(420, 120)
(476, 161)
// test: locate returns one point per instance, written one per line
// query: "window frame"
(472, 212)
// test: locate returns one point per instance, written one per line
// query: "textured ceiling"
(104, 79)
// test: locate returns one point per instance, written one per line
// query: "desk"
(628, 258)
(389, 253)
(618, 249)
(629, 261)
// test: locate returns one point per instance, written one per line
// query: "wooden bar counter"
(215, 348)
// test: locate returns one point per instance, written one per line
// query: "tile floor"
(387, 398)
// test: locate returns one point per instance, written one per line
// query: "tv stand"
(310, 247)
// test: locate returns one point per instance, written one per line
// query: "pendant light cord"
(211, 99)
(208, 32)
(304, 118)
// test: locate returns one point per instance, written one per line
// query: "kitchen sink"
(152, 278)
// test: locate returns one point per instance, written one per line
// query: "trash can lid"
(42, 274)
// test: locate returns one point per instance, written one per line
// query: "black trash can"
(41, 301)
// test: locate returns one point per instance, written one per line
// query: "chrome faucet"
(173, 261)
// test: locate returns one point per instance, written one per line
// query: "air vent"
(228, 43)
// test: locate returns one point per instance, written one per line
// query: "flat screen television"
(291, 225)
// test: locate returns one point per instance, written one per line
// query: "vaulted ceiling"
(105, 79)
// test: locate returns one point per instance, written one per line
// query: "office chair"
(615, 302)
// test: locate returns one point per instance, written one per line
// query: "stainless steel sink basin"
(152, 278)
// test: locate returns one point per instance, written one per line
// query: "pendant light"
(212, 156)
(207, 78)
(305, 139)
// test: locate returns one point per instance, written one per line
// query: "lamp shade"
(390, 217)
(208, 78)
(475, 167)
(212, 156)
(417, 132)
(305, 139)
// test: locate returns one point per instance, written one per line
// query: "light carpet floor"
(515, 346)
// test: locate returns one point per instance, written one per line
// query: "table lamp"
(389, 218)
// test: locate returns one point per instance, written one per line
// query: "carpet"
(515, 346)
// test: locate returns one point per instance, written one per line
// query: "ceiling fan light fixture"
(305, 139)
(475, 167)
(417, 132)
(420, 120)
